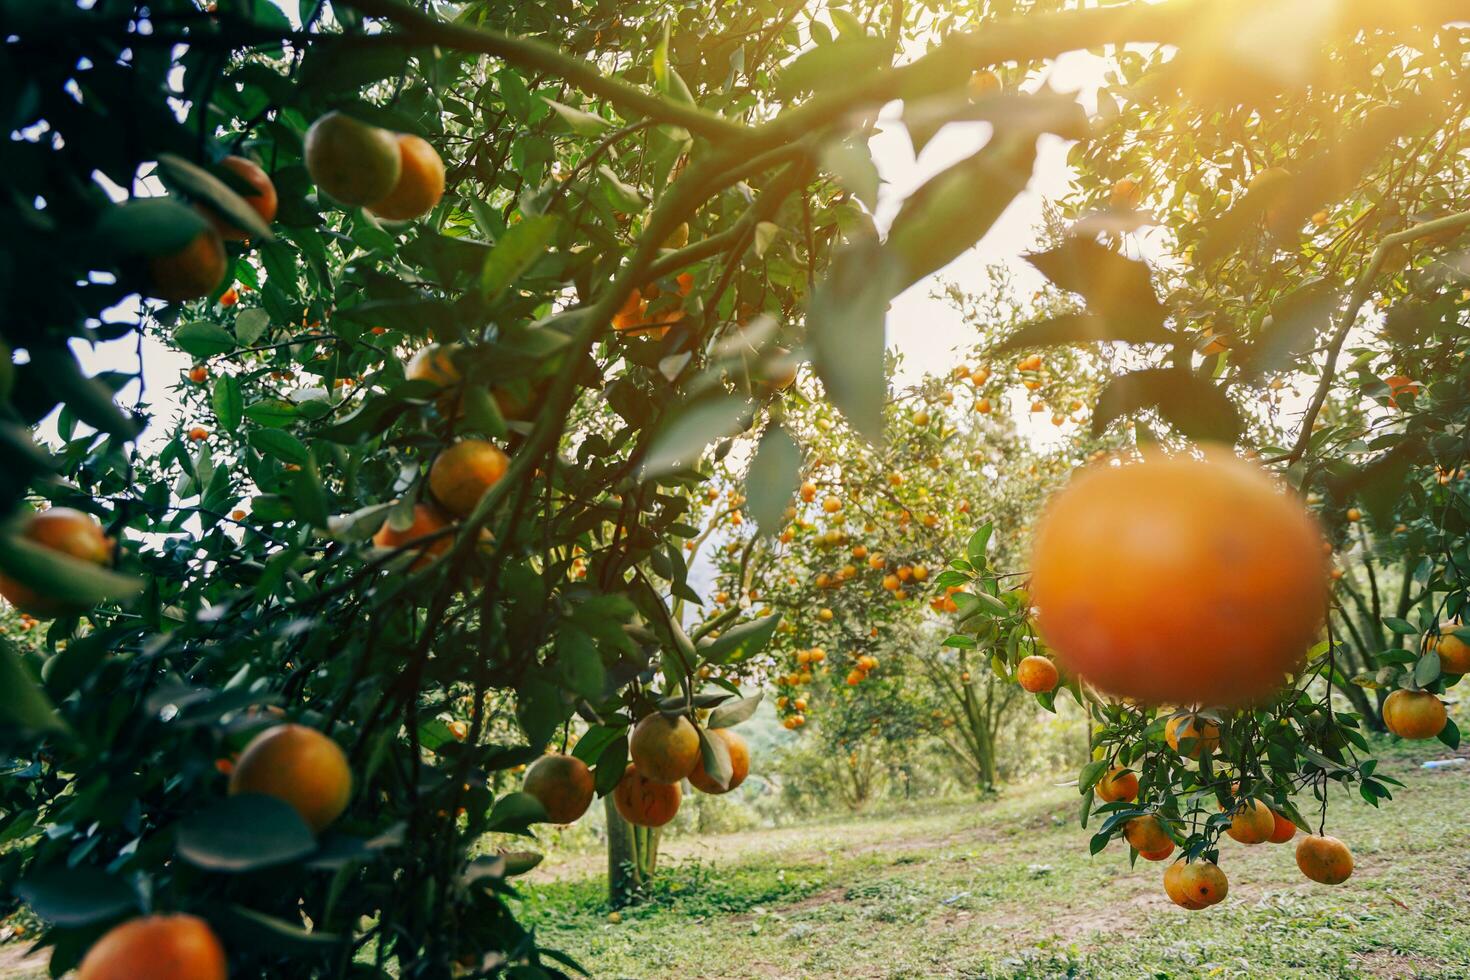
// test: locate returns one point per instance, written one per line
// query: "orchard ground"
(1006, 889)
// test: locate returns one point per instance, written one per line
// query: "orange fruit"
(1283, 831)
(981, 84)
(1177, 580)
(1037, 674)
(739, 760)
(645, 802)
(199, 374)
(1454, 653)
(198, 434)
(664, 749)
(350, 160)
(1325, 860)
(261, 198)
(1148, 836)
(426, 520)
(462, 473)
(68, 532)
(563, 784)
(1196, 885)
(1400, 384)
(192, 272)
(159, 947)
(1116, 785)
(1203, 735)
(299, 766)
(435, 363)
(1125, 193)
(1414, 714)
(1253, 823)
(420, 181)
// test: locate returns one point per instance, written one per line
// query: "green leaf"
(741, 642)
(272, 412)
(834, 65)
(72, 898)
(773, 477)
(732, 713)
(960, 641)
(1090, 774)
(514, 812)
(1450, 734)
(482, 412)
(244, 833)
(246, 928)
(1427, 670)
(955, 209)
(714, 755)
(978, 543)
(515, 252)
(150, 226)
(282, 445)
(23, 705)
(61, 578)
(580, 662)
(1192, 404)
(228, 403)
(852, 162)
(581, 123)
(1081, 328)
(251, 325)
(691, 428)
(202, 186)
(88, 399)
(1115, 287)
(846, 327)
(203, 339)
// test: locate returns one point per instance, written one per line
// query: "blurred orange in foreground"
(1179, 580)
(160, 947)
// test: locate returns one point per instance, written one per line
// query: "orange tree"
(853, 568)
(612, 226)
(1292, 196)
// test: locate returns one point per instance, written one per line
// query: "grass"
(1007, 889)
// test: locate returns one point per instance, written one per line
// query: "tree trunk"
(632, 856)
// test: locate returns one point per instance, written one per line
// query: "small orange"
(1117, 785)
(420, 181)
(1325, 860)
(1414, 714)
(1037, 674)
(159, 947)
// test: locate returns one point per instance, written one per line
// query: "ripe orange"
(645, 802)
(1253, 823)
(1414, 714)
(350, 160)
(1195, 885)
(198, 433)
(435, 363)
(664, 749)
(192, 272)
(1202, 734)
(1116, 785)
(1400, 384)
(1325, 860)
(1454, 653)
(739, 760)
(262, 198)
(1179, 580)
(1037, 674)
(426, 520)
(420, 181)
(1283, 831)
(563, 784)
(159, 947)
(1125, 193)
(981, 84)
(299, 766)
(199, 374)
(1148, 836)
(462, 473)
(68, 532)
